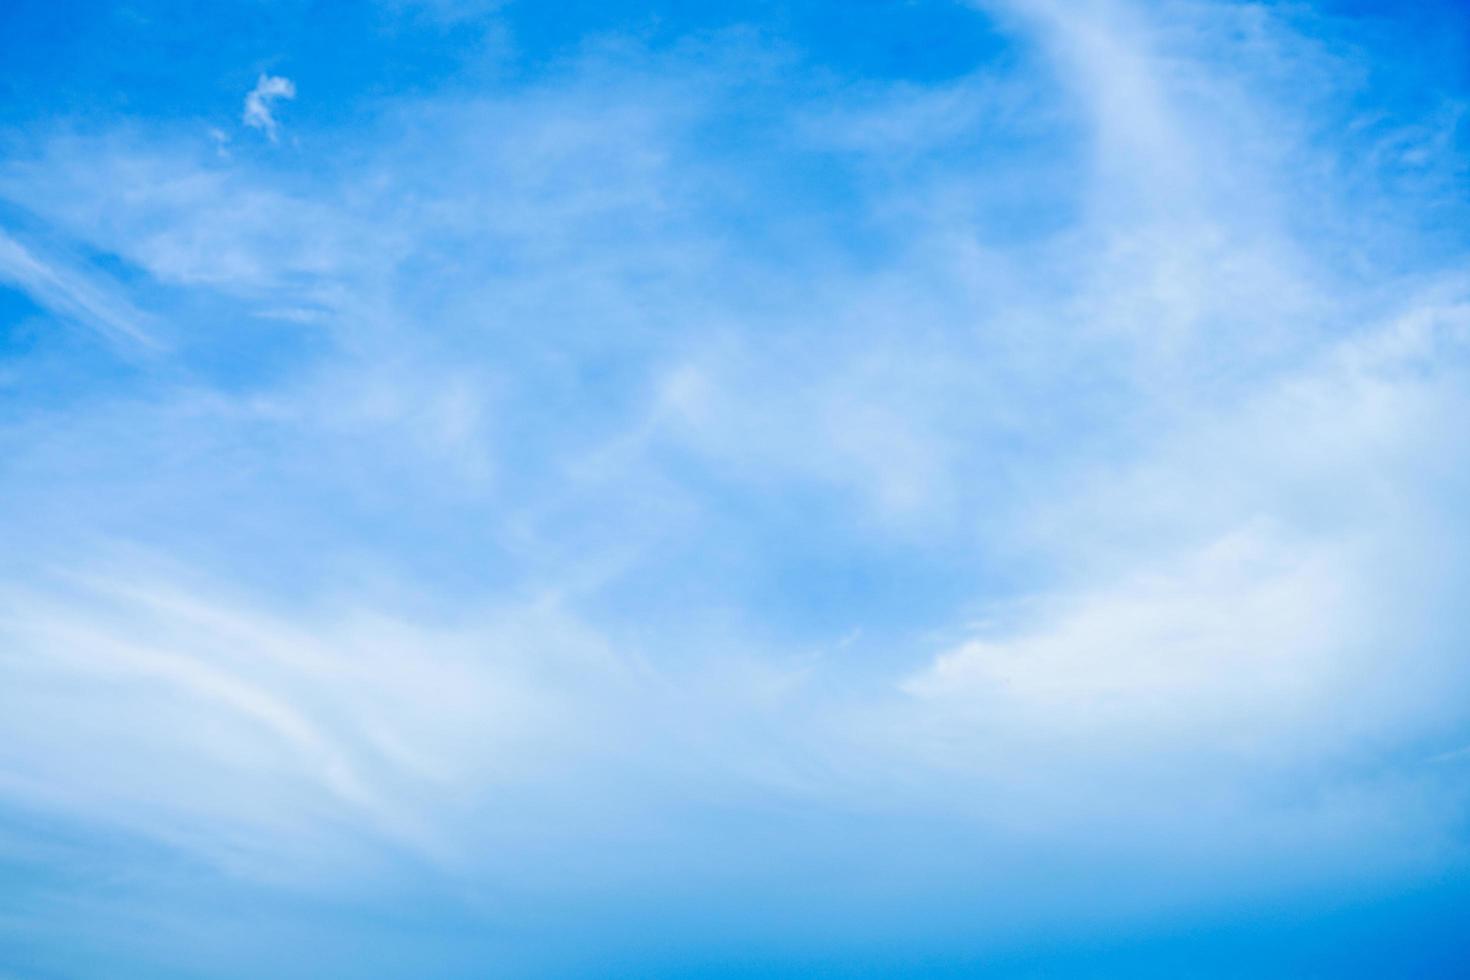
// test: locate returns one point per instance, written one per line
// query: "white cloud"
(350, 724)
(268, 89)
(81, 296)
(1228, 643)
(524, 351)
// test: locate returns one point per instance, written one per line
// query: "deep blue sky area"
(183, 60)
(895, 488)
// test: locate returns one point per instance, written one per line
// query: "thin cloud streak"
(74, 295)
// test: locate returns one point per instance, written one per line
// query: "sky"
(709, 489)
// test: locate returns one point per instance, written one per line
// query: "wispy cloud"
(78, 295)
(680, 465)
(268, 90)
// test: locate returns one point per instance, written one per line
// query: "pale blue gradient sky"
(870, 489)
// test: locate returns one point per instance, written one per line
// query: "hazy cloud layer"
(685, 499)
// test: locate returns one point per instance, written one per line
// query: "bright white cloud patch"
(268, 90)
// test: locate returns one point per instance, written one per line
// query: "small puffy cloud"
(258, 103)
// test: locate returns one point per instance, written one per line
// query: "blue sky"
(734, 489)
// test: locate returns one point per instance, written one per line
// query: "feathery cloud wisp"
(258, 102)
